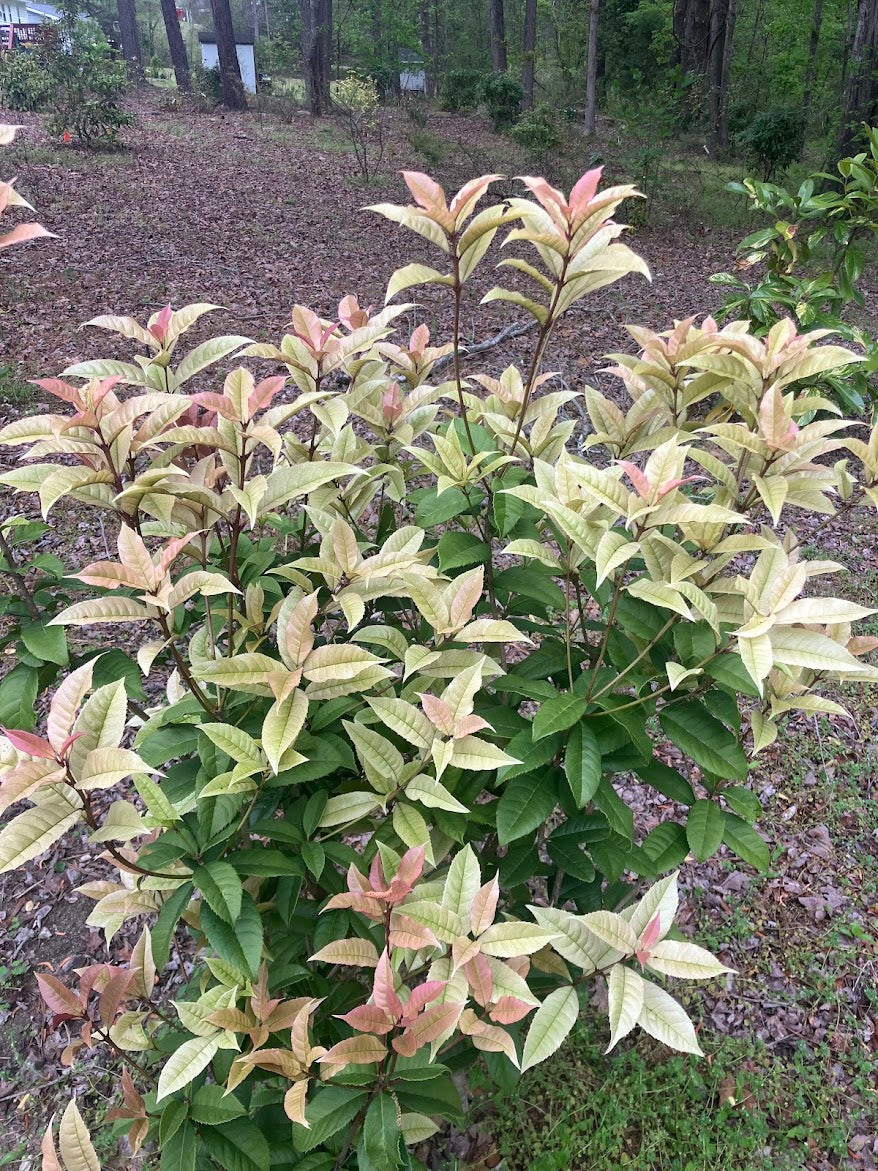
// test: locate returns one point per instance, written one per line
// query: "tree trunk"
(317, 53)
(725, 74)
(530, 47)
(179, 57)
(498, 36)
(591, 68)
(861, 92)
(130, 40)
(811, 68)
(692, 33)
(234, 97)
(722, 30)
(428, 46)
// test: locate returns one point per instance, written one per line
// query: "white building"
(25, 12)
(246, 58)
(412, 75)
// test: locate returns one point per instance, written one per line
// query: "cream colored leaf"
(348, 807)
(98, 610)
(282, 726)
(686, 961)
(625, 994)
(186, 1063)
(336, 662)
(663, 1018)
(490, 630)
(74, 1141)
(31, 833)
(553, 1020)
(478, 755)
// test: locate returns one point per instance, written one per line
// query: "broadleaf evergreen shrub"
(408, 642)
(461, 89)
(539, 131)
(773, 139)
(813, 255)
(502, 96)
(86, 87)
(24, 83)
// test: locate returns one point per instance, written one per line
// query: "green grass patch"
(640, 1109)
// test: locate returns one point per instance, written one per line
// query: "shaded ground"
(257, 215)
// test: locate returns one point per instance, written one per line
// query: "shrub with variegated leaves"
(410, 632)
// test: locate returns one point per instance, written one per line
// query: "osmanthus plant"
(408, 642)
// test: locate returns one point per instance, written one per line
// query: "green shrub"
(429, 147)
(773, 139)
(208, 85)
(461, 89)
(409, 644)
(24, 83)
(86, 87)
(539, 131)
(502, 96)
(814, 258)
(358, 101)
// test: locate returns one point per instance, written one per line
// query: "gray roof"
(47, 10)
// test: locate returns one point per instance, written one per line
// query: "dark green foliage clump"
(24, 83)
(502, 96)
(462, 89)
(773, 139)
(539, 130)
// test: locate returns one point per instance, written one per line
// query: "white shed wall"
(246, 60)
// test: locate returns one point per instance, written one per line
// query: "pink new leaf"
(28, 743)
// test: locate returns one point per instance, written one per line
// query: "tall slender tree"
(179, 56)
(427, 34)
(530, 48)
(811, 68)
(234, 97)
(498, 35)
(317, 53)
(692, 34)
(591, 69)
(130, 38)
(723, 15)
(861, 89)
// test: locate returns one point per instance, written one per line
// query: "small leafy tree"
(359, 102)
(409, 643)
(540, 132)
(814, 260)
(502, 96)
(86, 85)
(24, 84)
(773, 139)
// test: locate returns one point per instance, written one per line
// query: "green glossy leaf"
(705, 739)
(557, 715)
(526, 803)
(741, 837)
(704, 829)
(240, 944)
(18, 693)
(582, 764)
(221, 887)
(331, 1108)
(47, 643)
(179, 1150)
(237, 1146)
(381, 1132)
(212, 1106)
